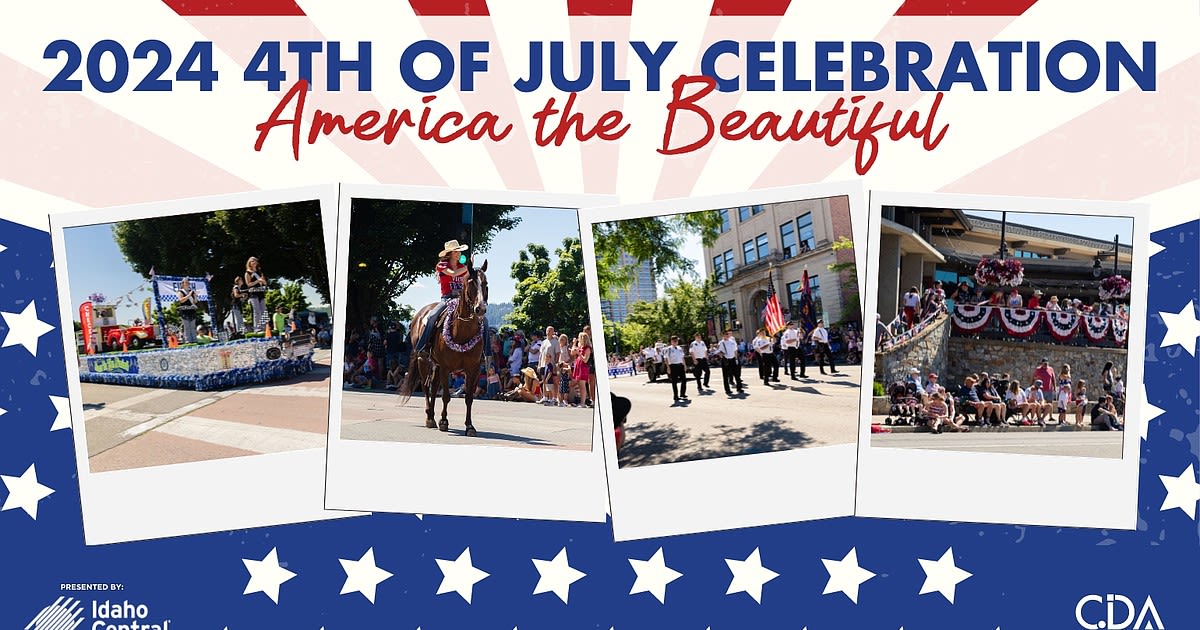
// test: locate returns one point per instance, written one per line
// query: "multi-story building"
(642, 289)
(918, 246)
(788, 239)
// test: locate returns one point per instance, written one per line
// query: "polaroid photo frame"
(462, 479)
(730, 492)
(1007, 487)
(203, 496)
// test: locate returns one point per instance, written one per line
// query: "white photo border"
(451, 479)
(728, 492)
(1020, 489)
(197, 497)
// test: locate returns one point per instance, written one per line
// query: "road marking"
(255, 438)
(125, 403)
(158, 421)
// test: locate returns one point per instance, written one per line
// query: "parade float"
(123, 355)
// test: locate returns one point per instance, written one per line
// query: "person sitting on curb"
(937, 414)
(1104, 415)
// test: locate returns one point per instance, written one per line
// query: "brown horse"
(457, 345)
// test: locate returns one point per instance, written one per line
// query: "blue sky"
(95, 265)
(547, 226)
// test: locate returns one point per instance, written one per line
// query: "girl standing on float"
(256, 287)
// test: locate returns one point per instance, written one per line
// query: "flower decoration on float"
(997, 272)
(1114, 287)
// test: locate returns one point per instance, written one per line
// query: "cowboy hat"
(452, 246)
(529, 372)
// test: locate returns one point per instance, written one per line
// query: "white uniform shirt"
(674, 355)
(699, 350)
(790, 338)
(651, 354)
(764, 345)
(728, 348)
(820, 335)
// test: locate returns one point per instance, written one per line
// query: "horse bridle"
(462, 304)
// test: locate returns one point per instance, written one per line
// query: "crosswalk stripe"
(255, 438)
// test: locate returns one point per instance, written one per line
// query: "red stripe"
(235, 7)
(616, 8)
(774, 8)
(964, 7)
(449, 7)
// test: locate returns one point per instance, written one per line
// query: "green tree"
(656, 239)
(684, 311)
(288, 239)
(290, 296)
(392, 243)
(848, 275)
(550, 294)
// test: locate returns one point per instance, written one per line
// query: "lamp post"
(1003, 232)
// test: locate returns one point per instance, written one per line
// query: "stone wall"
(927, 352)
(995, 356)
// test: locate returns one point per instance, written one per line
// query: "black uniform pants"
(731, 374)
(678, 380)
(701, 367)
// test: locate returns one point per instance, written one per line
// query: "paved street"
(1066, 443)
(821, 410)
(378, 415)
(133, 427)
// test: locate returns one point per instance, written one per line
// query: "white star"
(2, 248)
(749, 575)
(941, 575)
(1149, 412)
(1182, 492)
(3, 411)
(459, 575)
(62, 413)
(24, 492)
(1182, 328)
(653, 576)
(845, 576)
(24, 328)
(362, 576)
(266, 575)
(556, 576)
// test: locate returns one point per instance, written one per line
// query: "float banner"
(123, 364)
(85, 320)
(167, 285)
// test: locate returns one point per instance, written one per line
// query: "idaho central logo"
(1095, 617)
(66, 613)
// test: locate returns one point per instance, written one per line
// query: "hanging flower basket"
(1002, 273)
(1114, 288)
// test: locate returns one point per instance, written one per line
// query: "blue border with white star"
(840, 573)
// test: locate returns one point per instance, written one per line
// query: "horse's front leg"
(430, 385)
(444, 383)
(472, 382)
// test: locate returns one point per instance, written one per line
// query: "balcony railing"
(1039, 326)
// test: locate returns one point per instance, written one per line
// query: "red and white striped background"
(66, 151)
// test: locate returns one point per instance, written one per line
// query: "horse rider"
(451, 270)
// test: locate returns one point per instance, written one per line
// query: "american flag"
(772, 315)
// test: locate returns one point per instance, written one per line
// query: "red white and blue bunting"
(971, 318)
(1020, 322)
(1095, 327)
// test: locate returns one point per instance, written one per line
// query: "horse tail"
(406, 387)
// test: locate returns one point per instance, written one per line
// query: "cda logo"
(1094, 612)
(68, 614)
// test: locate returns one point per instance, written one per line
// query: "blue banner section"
(505, 574)
(113, 364)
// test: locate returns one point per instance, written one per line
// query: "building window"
(787, 238)
(731, 308)
(719, 269)
(762, 245)
(743, 213)
(1021, 253)
(749, 252)
(724, 212)
(805, 226)
(730, 263)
